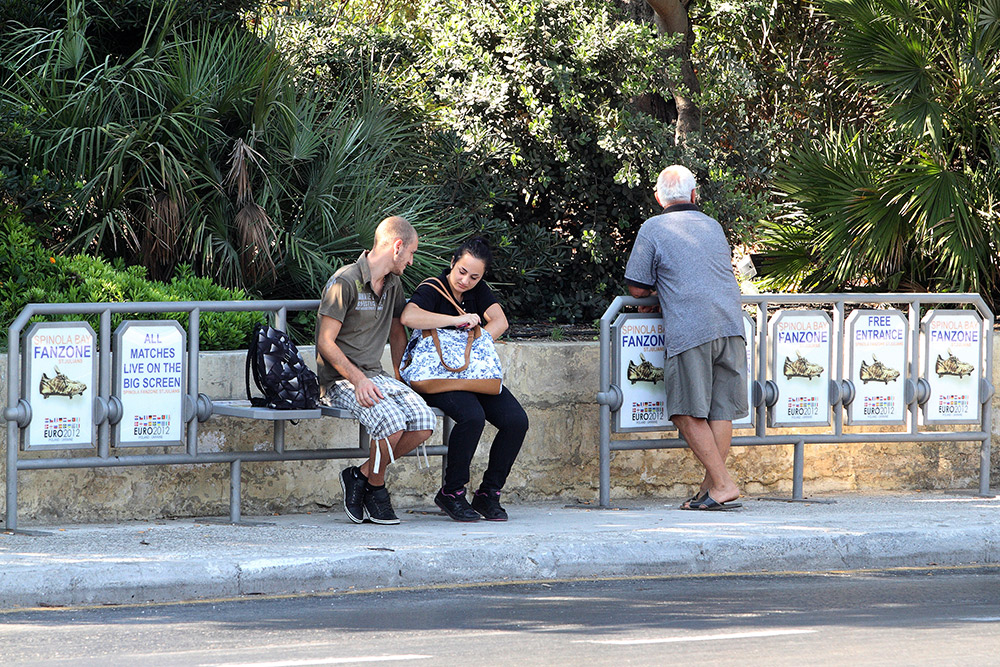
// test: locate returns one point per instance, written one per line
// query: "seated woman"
(429, 309)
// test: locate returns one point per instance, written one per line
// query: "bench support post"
(279, 436)
(234, 490)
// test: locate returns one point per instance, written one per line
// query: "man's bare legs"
(402, 443)
(710, 443)
(723, 432)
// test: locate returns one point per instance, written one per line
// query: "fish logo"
(644, 372)
(952, 366)
(877, 372)
(801, 368)
(60, 385)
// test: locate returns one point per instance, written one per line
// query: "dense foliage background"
(850, 144)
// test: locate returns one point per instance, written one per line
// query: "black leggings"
(471, 412)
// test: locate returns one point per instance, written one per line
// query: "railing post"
(604, 449)
(104, 387)
(798, 469)
(761, 429)
(914, 361)
(986, 423)
(838, 368)
(605, 457)
(13, 397)
(194, 351)
(12, 445)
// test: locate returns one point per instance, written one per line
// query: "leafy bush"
(539, 98)
(40, 194)
(541, 91)
(32, 274)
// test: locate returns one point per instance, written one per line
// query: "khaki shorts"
(708, 381)
(402, 409)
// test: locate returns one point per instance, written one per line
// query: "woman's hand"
(467, 321)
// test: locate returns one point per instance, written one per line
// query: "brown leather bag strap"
(436, 284)
(468, 350)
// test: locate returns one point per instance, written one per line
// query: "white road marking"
(699, 638)
(981, 619)
(324, 661)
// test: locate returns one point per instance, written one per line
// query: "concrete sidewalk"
(187, 559)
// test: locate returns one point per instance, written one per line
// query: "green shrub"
(532, 135)
(541, 94)
(31, 274)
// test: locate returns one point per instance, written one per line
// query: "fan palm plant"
(201, 147)
(910, 199)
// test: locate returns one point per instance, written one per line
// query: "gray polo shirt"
(683, 254)
(366, 318)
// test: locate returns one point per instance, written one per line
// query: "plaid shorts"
(402, 409)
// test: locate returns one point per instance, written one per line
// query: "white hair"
(675, 183)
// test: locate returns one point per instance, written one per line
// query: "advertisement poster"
(150, 372)
(877, 362)
(953, 354)
(800, 367)
(749, 334)
(638, 340)
(60, 366)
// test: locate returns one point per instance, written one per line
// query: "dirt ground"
(521, 330)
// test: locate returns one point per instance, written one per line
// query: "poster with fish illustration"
(877, 362)
(60, 383)
(150, 381)
(801, 356)
(638, 348)
(750, 336)
(952, 362)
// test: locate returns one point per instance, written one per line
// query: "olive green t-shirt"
(365, 318)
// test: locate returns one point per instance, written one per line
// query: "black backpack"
(279, 372)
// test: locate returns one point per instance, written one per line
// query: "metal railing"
(610, 396)
(199, 408)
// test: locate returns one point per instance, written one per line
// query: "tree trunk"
(671, 17)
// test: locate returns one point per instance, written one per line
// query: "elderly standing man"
(682, 256)
(359, 310)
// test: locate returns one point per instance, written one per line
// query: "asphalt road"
(939, 616)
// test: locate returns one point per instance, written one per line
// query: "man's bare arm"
(365, 390)
(397, 343)
(639, 292)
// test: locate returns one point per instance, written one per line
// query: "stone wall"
(557, 383)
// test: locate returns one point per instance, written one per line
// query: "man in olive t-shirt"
(359, 311)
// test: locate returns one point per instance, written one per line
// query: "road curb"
(197, 576)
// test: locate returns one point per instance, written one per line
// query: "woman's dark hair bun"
(478, 247)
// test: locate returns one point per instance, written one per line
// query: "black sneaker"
(456, 506)
(353, 484)
(487, 503)
(378, 507)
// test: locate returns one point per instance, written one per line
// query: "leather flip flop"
(699, 495)
(708, 504)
